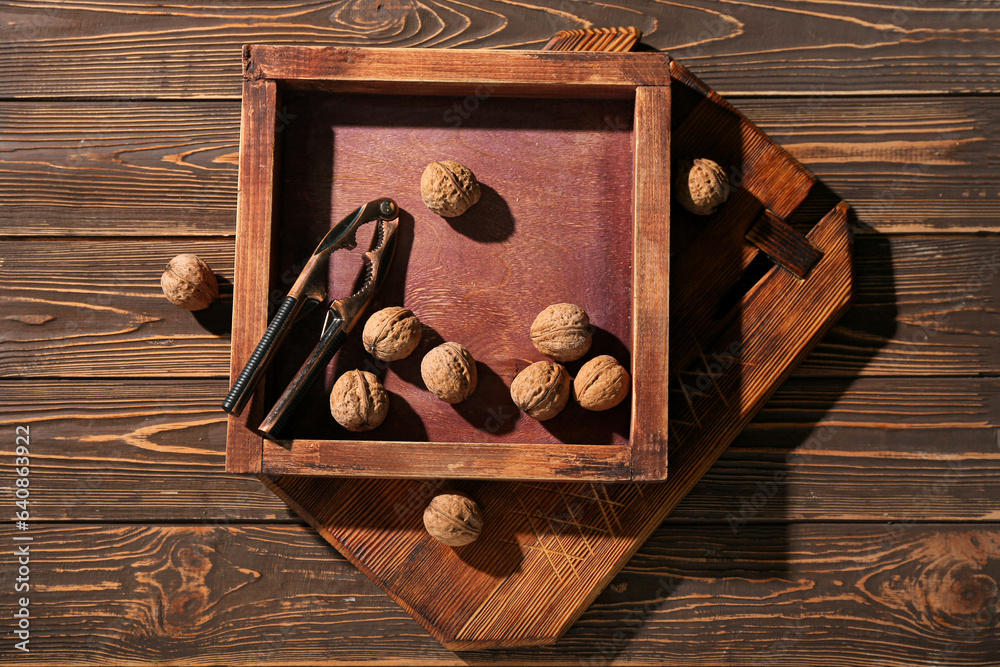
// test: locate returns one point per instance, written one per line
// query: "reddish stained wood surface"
(563, 240)
(478, 279)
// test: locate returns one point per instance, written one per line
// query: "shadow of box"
(573, 155)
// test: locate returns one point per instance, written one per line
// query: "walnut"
(392, 333)
(701, 186)
(189, 283)
(601, 384)
(453, 519)
(449, 188)
(358, 401)
(541, 390)
(449, 371)
(562, 331)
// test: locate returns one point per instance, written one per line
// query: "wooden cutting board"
(739, 326)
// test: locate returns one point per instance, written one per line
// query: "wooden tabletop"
(854, 522)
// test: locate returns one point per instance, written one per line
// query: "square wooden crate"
(573, 152)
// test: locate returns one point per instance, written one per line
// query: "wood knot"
(947, 582)
(387, 17)
(184, 609)
(963, 595)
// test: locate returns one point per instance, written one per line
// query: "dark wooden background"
(866, 491)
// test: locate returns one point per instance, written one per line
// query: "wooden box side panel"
(254, 241)
(444, 71)
(651, 283)
(452, 460)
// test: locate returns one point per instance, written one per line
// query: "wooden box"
(573, 153)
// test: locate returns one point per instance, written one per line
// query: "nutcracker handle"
(332, 339)
(251, 374)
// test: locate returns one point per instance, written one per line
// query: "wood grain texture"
(595, 39)
(455, 460)
(256, 238)
(153, 450)
(549, 549)
(449, 72)
(651, 254)
(770, 47)
(919, 448)
(783, 245)
(90, 308)
(78, 169)
(920, 318)
(907, 165)
(899, 594)
(93, 308)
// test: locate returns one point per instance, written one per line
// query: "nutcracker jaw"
(308, 288)
(377, 262)
(341, 318)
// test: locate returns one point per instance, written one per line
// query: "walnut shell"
(453, 519)
(541, 390)
(601, 384)
(449, 188)
(358, 401)
(562, 331)
(392, 333)
(701, 186)
(449, 372)
(188, 282)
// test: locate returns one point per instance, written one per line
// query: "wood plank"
(920, 299)
(93, 308)
(81, 168)
(651, 284)
(911, 165)
(896, 593)
(906, 165)
(783, 245)
(455, 460)
(56, 49)
(256, 237)
(447, 71)
(869, 449)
